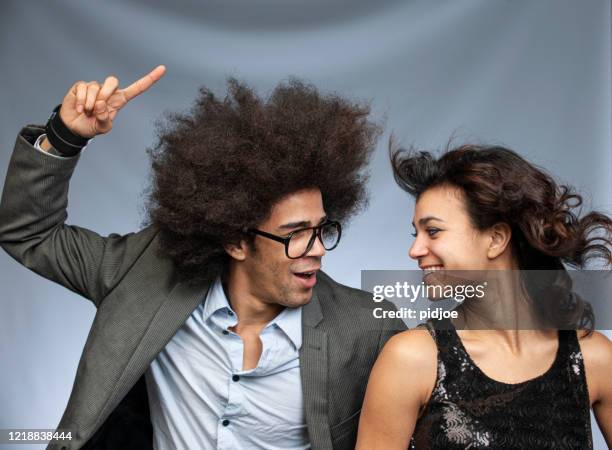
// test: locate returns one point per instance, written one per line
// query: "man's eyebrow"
(424, 220)
(300, 224)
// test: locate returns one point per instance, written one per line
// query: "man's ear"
(238, 252)
(499, 235)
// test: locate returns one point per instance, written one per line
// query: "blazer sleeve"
(33, 229)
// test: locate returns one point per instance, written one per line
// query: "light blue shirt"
(37, 146)
(200, 398)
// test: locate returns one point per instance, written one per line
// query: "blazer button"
(235, 377)
(225, 423)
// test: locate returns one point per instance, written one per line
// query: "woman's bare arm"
(400, 384)
(597, 353)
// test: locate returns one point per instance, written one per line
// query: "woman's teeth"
(431, 269)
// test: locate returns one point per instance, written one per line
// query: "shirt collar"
(215, 300)
(289, 320)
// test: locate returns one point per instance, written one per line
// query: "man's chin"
(299, 300)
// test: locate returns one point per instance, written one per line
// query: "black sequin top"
(469, 410)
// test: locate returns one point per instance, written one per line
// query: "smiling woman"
(473, 189)
(463, 383)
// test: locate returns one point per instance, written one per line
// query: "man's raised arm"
(35, 194)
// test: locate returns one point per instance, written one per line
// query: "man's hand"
(88, 109)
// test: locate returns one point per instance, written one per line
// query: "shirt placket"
(226, 439)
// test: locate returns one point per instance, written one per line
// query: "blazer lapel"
(313, 370)
(170, 316)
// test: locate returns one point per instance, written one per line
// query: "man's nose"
(317, 248)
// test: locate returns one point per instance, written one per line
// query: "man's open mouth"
(305, 275)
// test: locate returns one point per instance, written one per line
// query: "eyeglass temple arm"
(268, 235)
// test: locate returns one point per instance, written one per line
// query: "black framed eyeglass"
(299, 242)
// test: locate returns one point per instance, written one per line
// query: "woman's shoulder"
(408, 362)
(595, 346)
(415, 347)
(596, 349)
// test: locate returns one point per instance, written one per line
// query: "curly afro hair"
(220, 168)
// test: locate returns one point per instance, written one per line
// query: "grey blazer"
(140, 306)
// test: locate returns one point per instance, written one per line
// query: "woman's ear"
(499, 235)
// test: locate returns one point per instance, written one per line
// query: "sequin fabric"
(469, 410)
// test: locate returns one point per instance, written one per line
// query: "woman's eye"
(413, 234)
(432, 231)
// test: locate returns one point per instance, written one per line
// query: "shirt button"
(225, 332)
(235, 378)
(225, 423)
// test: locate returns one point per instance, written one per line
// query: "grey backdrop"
(532, 75)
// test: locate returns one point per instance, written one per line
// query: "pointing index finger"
(139, 86)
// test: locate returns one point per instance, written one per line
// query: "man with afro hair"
(215, 326)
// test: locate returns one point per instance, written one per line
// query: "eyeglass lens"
(302, 241)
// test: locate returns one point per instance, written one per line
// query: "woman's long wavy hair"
(219, 168)
(548, 233)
